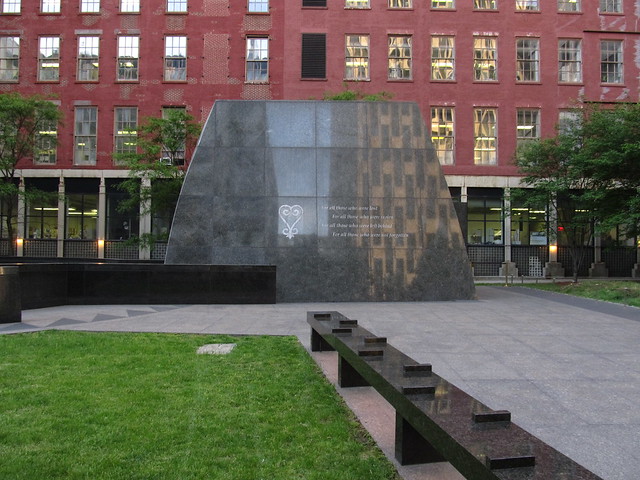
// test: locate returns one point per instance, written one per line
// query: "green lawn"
(625, 292)
(77, 405)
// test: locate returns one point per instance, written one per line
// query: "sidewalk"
(567, 368)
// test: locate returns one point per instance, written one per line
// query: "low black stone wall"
(10, 310)
(45, 285)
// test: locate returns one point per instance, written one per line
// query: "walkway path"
(568, 369)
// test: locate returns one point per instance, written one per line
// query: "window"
(400, 4)
(177, 6)
(128, 48)
(399, 66)
(314, 55)
(357, 4)
(257, 60)
(88, 59)
(314, 3)
(89, 6)
(531, 5)
(85, 144)
(50, 6)
(9, 59)
(611, 6)
(443, 59)
(528, 225)
(528, 125)
(485, 132)
(41, 219)
(611, 61)
(120, 225)
(49, 59)
(81, 216)
(10, 6)
(258, 6)
(569, 6)
(569, 61)
(129, 6)
(442, 133)
(175, 59)
(356, 57)
(125, 130)
(527, 60)
(485, 59)
(443, 4)
(484, 217)
(485, 4)
(46, 141)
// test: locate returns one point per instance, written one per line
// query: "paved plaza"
(567, 368)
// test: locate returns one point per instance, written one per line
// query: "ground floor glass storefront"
(85, 218)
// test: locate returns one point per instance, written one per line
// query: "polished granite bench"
(435, 420)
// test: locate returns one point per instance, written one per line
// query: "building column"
(598, 268)
(553, 268)
(145, 224)
(61, 215)
(508, 268)
(20, 217)
(102, 216)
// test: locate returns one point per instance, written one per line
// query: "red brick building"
(486, 74)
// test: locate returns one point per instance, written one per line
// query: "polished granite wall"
(346, 199)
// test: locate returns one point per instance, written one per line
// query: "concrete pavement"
(568, 369)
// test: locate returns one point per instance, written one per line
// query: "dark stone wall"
(346, 199)
(45, 285)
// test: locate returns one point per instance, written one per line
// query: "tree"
(21, 118)
(158, 165)
(589, 173)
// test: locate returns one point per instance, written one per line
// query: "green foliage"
(589, 173)
(77, 405)
(627, 293)
(20, 119)
(157, 168)
(351, 95)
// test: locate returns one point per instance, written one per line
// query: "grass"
(625, 292)
(78, 405)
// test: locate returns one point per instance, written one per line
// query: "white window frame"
(485, 59)
(446, 4)
(400, 4)
(356, 62)
(611, 61)
(570, 6)
(177, 6)
(357, 4)
(128, 61)
(125, 130)
(129, 6)
(443, 133)
(85, 136)
(258, 6)
(399, 55)
(611, 6)
(485, 136)
(49, 6)
(527, 59)
(569, 60)
(485, 4)
(257, 60)
(443, 57)
(527, 125)
(9, 59)
(528, 5)
(88, 44)
(89, 6)
(49, 59)
(175, 58)
(10, 7)
(46, 151)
